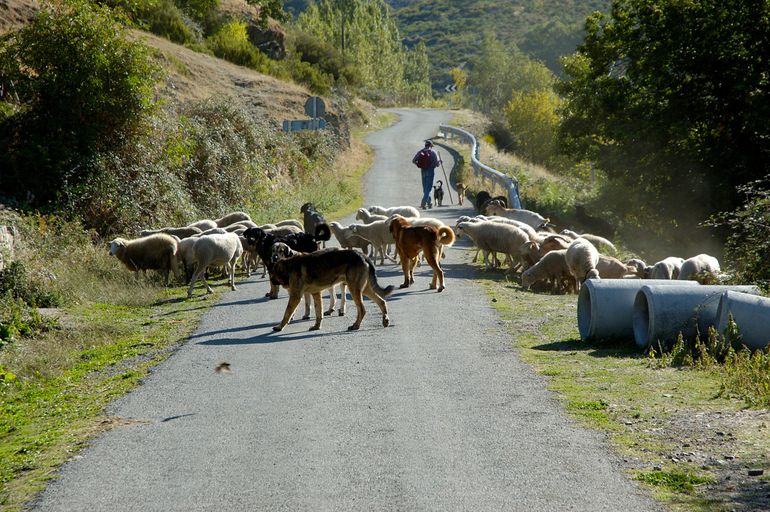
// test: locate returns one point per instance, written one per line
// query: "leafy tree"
(78, 87)
(270, 9)
(532, 119)
(367, 38)
(671, 99)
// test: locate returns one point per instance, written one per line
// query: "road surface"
(433, 413)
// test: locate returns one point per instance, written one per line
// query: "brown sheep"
(153, 252)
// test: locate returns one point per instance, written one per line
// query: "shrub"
(165, 19)
(82, 87)
(231, 42)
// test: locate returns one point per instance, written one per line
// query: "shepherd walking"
(427, 160)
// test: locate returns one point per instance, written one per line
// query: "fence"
(484, 172)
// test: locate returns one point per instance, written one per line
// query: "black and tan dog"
(263, 240)
(438, 193)
(312, 273)
(412, 240)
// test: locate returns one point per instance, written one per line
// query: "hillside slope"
(453, 29)
(195, 76)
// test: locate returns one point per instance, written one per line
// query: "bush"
(81, 86)
(16, 281)
(231, 42)
(165, 19)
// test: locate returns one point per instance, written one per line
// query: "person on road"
(427, 160)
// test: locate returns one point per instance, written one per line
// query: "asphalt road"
(434, 412)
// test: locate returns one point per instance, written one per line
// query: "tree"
(79, 86)
(671, 99)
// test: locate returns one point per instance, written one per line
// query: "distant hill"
(452, 29)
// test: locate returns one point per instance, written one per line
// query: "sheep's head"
(117, 246)
(527, 279)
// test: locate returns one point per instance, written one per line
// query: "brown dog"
(460, 187)
(411, 240)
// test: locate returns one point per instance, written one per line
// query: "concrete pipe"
(605, 306)
(752, 315)
(662, 312)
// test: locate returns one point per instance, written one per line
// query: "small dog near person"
(312, 273)
(438, 193)
(460, 187)
(412, 240)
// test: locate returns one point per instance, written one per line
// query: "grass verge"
(672, 428)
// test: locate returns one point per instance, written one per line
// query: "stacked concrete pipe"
(662, 312)
(606, 306)
(752, 315)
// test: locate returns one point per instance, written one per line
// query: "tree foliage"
(367, 38)
(77, 86)
(671, 99)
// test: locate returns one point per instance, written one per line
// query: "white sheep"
(367, 217)
(534, 219)
(203, 224)
(667, 268)
(551, 268)
(493, 237)
(582, 258)
(406, 211)
(289, 222)
(639, 267)
(347, 239)
(612, 268)
(378, 233)
(601, 243)
(184, 255)
(232, 218)
(215, 250)
(153, 252)
(183, 232)
(698, 266)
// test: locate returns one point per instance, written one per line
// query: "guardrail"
(484, 172)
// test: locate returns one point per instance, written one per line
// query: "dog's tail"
(322, 232)
(445, 235)
(382, 292)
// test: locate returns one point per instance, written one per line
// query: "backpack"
(422, 160)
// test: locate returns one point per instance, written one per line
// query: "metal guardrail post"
(511, 185)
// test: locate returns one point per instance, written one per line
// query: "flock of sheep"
(559, 262)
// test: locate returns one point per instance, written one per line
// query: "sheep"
(378, 234)
(495, 237)
(667, 268)
(184, 255)
(203, 225)
(551, 268)
(347, 239)
(153, 252)
(531, 232)
(406, 211)
(553, 243)
(612, 268)
(368, 217)
(182, 233)
(697, 266)
(288, 222)
(215, 250)
(236, 226)
(534, 219)
(212, 231)
(638, 265)
(601, 243)
(582, 258)
(232, 218)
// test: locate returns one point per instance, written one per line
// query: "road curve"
(433, 413)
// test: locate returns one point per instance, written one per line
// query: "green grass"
(674, 481)
(45, 419)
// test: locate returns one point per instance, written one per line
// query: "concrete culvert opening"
(642, 320)
(584, 312)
